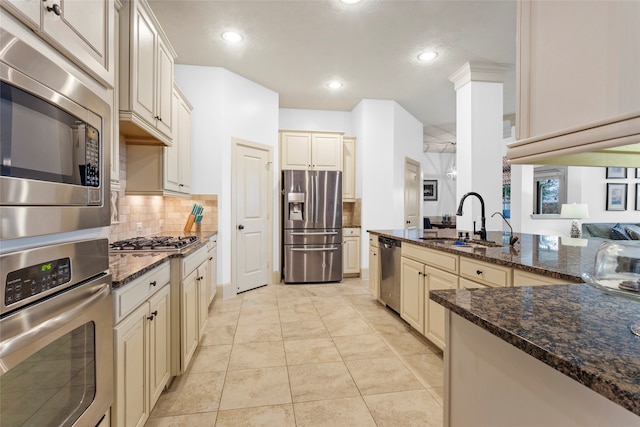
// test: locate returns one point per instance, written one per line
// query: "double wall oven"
(56, 309)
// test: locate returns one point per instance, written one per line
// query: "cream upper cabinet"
(177, 157)
(577, 81)
(83, 31)
(146, 76)
(349, 168)
(310, 150)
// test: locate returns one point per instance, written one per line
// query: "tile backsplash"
(157, 214)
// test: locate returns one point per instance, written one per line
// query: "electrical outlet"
(138, 228)
(161, 225)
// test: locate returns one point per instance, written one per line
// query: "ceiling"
(296, 47)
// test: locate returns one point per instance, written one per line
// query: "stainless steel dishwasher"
(390, 272)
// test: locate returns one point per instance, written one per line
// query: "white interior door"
(412, 192)
(252, 205)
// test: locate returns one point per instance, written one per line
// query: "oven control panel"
(36, 279)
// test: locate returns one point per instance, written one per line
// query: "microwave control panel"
(92, 158)
(36, 279)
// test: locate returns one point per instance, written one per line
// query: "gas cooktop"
(153, 244)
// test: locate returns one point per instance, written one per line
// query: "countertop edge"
(607, 389)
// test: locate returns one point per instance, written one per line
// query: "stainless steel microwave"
(54, 145)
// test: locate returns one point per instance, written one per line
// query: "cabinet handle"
(154, 313)
(419, 273)
(153, 283)
(55, 9)
(210, 258)
(150, 317)
(180, 185)
(478, 272)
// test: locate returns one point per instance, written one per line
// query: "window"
(549, 189)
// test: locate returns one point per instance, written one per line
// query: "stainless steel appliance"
(390, 272)
(54, 140)
(153, 244)
(312, 226)
(56, 345)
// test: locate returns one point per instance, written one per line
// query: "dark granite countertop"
(129, 266)
(578, 330)
(547, 255)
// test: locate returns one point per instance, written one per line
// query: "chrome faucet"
(483, 228)
(512, 239)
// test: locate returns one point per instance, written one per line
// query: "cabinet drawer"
(373, 241)
(192, 261)
(470, 284)
(212, 243)
(485, 273)
(442, 260)
(346, 232)
(524, 278)
(127, 298)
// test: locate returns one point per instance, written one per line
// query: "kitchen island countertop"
(577, 330)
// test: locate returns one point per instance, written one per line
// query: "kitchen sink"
(462, 244)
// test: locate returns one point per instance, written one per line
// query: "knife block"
(190, 220)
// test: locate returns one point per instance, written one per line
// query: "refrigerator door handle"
(317, 233)
(312, 249)
(315, 194)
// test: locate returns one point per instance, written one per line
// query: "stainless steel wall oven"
(56, 335)
(54, 144)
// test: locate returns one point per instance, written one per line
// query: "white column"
(479, 141)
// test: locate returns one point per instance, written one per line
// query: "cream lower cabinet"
(142, 344)
(423, 270)
(374, 266)
(351, 252)
(524, 278)
(212, 250)
(190, 306)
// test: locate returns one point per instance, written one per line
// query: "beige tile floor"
(306, 355)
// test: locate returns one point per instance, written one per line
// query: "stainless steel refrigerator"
(312, 226)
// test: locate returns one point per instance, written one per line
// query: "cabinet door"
(189, 323)
(159, 343)
(374, 271)
(164, 94)
(28, 11)
(349, 169)
(351, 255)
(143, 80)
(295, 150)
(171, 158)
(213, 280)
(412, 293)
(326, 152)
(435, 313)
(203, 302)
(184, 132)
(131, 351)
(82, 31)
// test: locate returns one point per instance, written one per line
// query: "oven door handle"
(31, 332)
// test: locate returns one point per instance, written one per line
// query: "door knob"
(241, 227)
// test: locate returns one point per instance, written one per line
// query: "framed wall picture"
(616, 173)
(616, 197)
(638, 197)
(430, 190)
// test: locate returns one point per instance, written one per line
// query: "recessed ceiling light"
(427, 56)
(334, 85)
(350, 1)
(232, 36)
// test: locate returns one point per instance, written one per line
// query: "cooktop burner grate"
(153, 244)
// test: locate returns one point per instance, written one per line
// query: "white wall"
(584, 185)
(330, 121)
(226, 105)
(434, 166)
